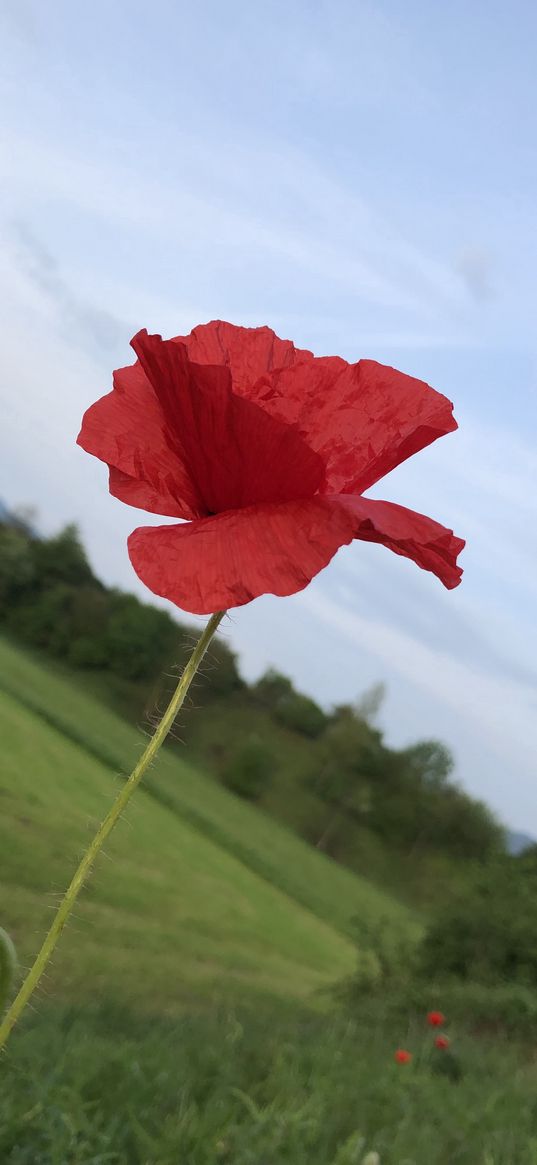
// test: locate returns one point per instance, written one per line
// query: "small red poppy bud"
(436, 1019)
(442, 1042)
(401, 1056)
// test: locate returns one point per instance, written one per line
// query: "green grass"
(168, 913)
(254, 1088)
(333, 893)
(185, 1020)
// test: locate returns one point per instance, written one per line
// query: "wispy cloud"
(92, 324)
(341, 239)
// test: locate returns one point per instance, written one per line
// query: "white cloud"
(340, 239)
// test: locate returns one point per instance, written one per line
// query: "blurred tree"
(140, 639)
(249, 769)
(489, 935)
(272, 688)
(62, 559)
(17, 567)
(43, 619)
(349, 758)
(370, 703)
(290, 708)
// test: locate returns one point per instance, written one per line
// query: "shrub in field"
(491, 935)
(249, 769)
(385, 959)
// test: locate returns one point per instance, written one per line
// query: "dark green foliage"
(138, 639)
(249, 769)
(290, 709)
(88, 627)
(417, 809)
(386, 961)
(446, 1063)
(50, 598)
(490, 935)
(8, 967)
(61, 559)
(301, 714)
(44, 619)
(17, 567)
(349, 755)
(272, 689)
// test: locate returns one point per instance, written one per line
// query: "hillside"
(187, 1017)
(394, 816)
(198, 893)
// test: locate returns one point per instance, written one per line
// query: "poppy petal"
(248, 352)
(427, 543)
(364, 419)
(228, 560)
(140, 494)
(236, 452)
(127, 430)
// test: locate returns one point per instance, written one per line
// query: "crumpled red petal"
(230, 426)
(364, 419)
(127, 429)
(234, 451)
(413, 535)
(248, 352)
(232, 558)
(227, 560)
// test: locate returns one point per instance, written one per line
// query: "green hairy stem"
(81, 874)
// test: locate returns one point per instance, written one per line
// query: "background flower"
(435, 1018)
(401, 1056)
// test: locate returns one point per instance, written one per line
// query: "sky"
(361, 177)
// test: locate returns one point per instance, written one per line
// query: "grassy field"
(184, 1020)
(256, 1087)
(168, 913)
(328, 890)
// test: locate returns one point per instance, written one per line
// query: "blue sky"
(362, 178)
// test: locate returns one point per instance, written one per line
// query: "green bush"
(289, 708)
(507, 1008)
(301, 714)
(385, 962)
(249, 769)
(490, 936)
(17, 568)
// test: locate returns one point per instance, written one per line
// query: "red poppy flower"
(264, 452)
(442, 1042)
(401, 1056)
(435, 1019)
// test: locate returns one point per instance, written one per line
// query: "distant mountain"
(518, 842)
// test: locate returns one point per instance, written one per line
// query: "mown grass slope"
(331, 892)
(169, 913)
